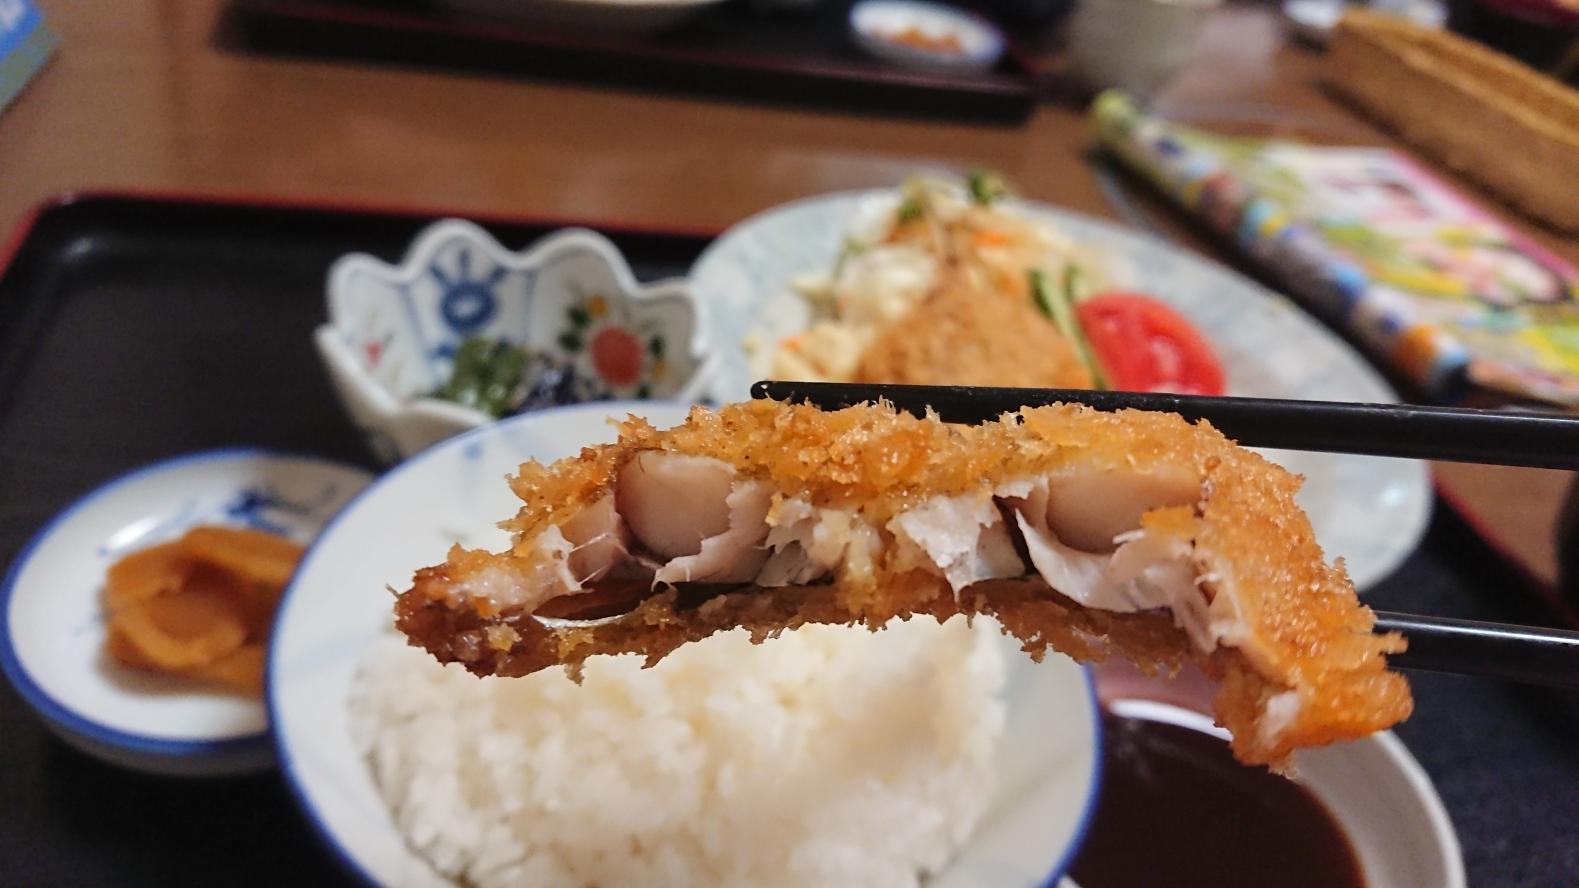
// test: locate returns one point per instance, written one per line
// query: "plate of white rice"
(924, 754)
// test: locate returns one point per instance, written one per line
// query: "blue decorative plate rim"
(282, 757)
(64, 717)
(1088, 810)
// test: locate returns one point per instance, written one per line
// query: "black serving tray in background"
(726, 52)
(134, 328)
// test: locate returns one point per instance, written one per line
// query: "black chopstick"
(1548, 440)
(1490, 650)
(1436, 644)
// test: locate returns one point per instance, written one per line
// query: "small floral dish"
(922, 34)
(52, 621)
(463, 331)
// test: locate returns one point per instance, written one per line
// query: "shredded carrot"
(991, 237)
(916, 37)
(1004, 282)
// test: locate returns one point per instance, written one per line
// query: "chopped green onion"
(986, 187)
(909, 211)
(850, 250)
(1060, 309)
(1076, 288)
(1039, 294)
(487, 376)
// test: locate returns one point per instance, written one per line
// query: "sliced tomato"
(1143, 345)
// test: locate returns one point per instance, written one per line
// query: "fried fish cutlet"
(1080, 531)
(957, 336)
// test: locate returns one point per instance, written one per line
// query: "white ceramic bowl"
(875, 24)
(1374, 789)
(393, 329)
(52, 626)
(337, 607)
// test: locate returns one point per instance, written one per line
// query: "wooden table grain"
(153, 94)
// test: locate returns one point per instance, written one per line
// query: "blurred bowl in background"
(1134, 45)
(569, 302)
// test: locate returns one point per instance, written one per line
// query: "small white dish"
(1371, 511)
(51, 617)
(1376, 792)
(571, 297)
(946, 38)
(337, 607)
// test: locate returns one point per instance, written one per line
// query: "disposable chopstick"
(1490, 650)
(1496, 437)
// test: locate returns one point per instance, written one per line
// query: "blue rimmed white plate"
(52, 626)
(1370, 511)
(337, 608)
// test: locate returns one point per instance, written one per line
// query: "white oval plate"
(338, 606)
(52, 624)
(1370, 511)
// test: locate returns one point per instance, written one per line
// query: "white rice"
(828, 756)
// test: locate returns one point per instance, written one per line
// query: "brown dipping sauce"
(1176, 809)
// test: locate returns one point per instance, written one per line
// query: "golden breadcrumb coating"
(956, 337)
(1303, 630)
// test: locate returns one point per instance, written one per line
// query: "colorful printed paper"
(1431, 282)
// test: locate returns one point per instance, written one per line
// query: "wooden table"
(145, 95)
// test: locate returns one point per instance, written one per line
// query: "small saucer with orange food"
(925, 35)
(135, 621)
